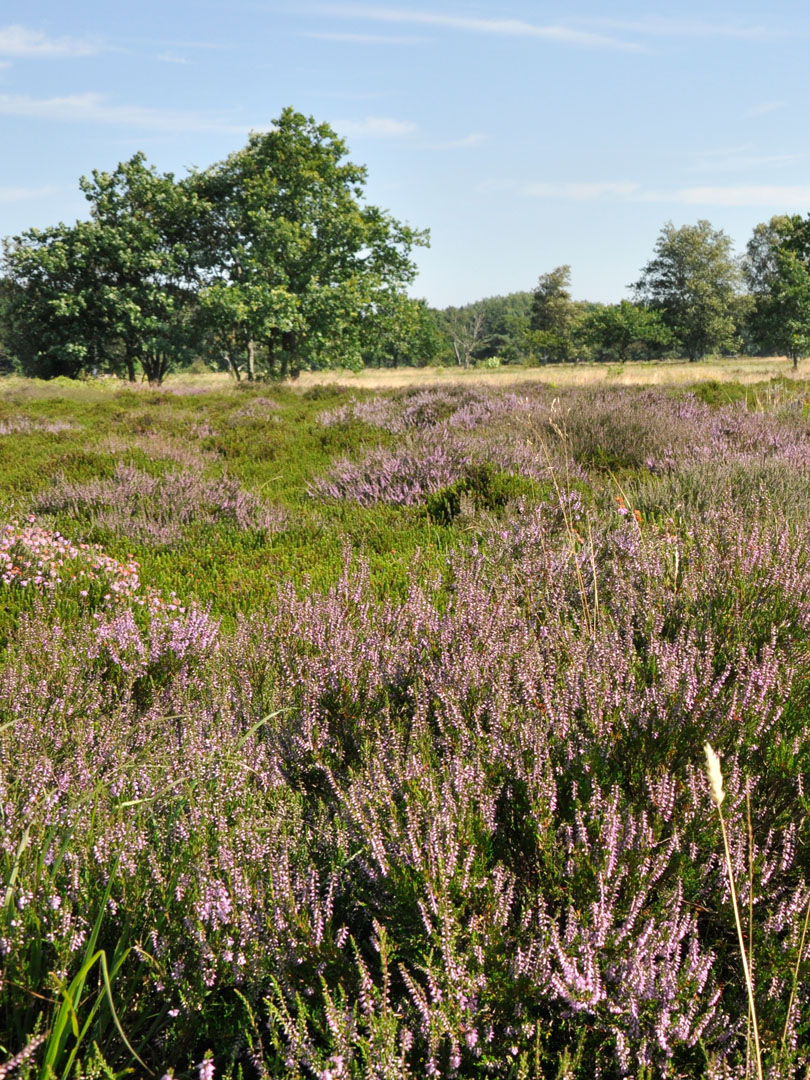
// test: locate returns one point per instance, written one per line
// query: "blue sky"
(523, 135)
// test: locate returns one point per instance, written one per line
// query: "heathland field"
(350, 732)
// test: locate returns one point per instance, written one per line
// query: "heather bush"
(158, 509)
(22, 425)
(460, 827)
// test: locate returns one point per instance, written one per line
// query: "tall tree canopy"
(270, 259)
(553, 315)
(777, 270)
(111, 292)
(694, 281)
(297, 264)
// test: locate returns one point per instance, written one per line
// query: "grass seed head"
(715, 775)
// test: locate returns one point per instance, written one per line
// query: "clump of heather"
(376, 412)
(23, 425)
(467, 832)
(258, 407)
(456, 406)
(158, 446)
(463, 832)
(402, 475)
(41, 560)
(159, 509)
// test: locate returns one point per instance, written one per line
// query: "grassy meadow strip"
(349, 735)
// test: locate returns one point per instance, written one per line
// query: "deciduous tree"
(625, 331)
(553, 315)
(115, 291)
(297, 263)
(777, 269)
(694, 281)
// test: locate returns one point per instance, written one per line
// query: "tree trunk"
(251, 365)
(290, 361)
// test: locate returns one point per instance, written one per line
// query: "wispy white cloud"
(766, 195)
(170, 46)
(770, 195)
(741, 161)
(93, 109)
(172, 58)
(366, 39)
(584, 191)
(378, 127)
(519, 28)
(22, 194)
(466, 142)
(660, 26)
(765, 107)
(21, 43)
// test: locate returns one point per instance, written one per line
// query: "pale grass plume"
(715, 775)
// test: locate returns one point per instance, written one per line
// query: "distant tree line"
(693, 298)
(270, 262)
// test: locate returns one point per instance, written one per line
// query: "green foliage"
(297, 265)
(713, 392)
(406, 332)
(777, 268)
(625, 331)
(494, 326)
(694, 281)
(112, 293)
(482, 488)
(269, 260)
(553, 316)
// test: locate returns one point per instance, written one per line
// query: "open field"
(745, 370)
(353, 733)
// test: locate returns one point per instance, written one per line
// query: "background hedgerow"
(439, 809)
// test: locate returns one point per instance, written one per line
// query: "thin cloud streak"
(585, 191)
(20, 43)
(494, 27)
(24, 194)
(92, 109)
(162, 43)
(774, 196)
(765, 108)
(466, 142)
(656, 26)
(378, 127)
(365, 39)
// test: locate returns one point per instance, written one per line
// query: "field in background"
(743, 370)
(352, 734)
(655, 373)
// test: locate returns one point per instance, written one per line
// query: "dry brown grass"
(741, 369)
